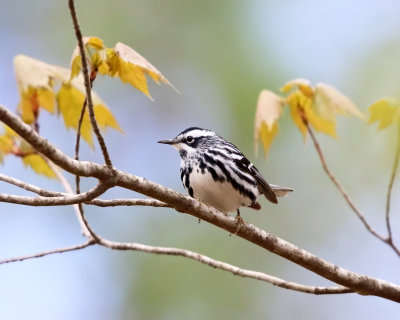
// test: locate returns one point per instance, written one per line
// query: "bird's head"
(191, 140)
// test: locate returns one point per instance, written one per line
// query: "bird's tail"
(280, 191)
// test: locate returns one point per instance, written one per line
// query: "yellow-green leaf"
(103, 68)
(134, 75)
(95, 58)
(6, 144)
(25, 107)
(46, 99)
(37, 74)
(93, 42)
(70, 102)
(269, 109)
(76, 66)
(112, 62)
(35, 81)
(328, 102)
(385, 112)
(302, 84)
(39, 165)
(105, 118)
(132, 67)
(320, 124)
(297, 103)
(267, 134)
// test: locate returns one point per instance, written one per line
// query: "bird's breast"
(211, 186)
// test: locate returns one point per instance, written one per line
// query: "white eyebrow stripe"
(199, 133)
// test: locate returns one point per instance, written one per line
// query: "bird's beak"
(172, 142)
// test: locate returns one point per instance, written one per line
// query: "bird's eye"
(189, 139)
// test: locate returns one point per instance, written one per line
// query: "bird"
(214, 171)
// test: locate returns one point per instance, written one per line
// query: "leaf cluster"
(61, 91)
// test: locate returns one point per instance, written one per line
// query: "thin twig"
(65, 199)
(85, 228)
(29, 187)
(46, 253)
(345, 195)
(339, 186)
(86, 77)
(389, 193)
(85, 231)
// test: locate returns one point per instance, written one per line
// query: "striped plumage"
(216, 172)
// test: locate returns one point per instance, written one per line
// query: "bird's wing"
(263, 185)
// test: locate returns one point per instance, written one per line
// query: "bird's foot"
(239, 222)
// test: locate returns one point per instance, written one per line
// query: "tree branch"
(30, 187)
(46, 253)
(66, 199)
(357, 282)
(128, 202)
(223, 266)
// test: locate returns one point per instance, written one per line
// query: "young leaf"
(39, 165)
(328, 102)
(385, 112)
(105, 118)
(133, 67)
(121, 61)
(89, 43)
(318, 107)
(269, 109)
(37, 74)
(35, 82)
(297, 103)
(7, 141)
(70, 100)
(302, 84)
(266, 134)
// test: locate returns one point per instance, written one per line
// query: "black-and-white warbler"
(214, 171)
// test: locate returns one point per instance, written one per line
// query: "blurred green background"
(219, 55)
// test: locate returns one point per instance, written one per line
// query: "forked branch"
(357, 282)
(388, 240)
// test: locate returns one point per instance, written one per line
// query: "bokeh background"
(219, 54)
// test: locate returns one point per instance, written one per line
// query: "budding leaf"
(120, 61)
(317, 106)
(269, 109)
(70, 100)
(39, 165)
(385, 112)
(35, 82)
(328, 102)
